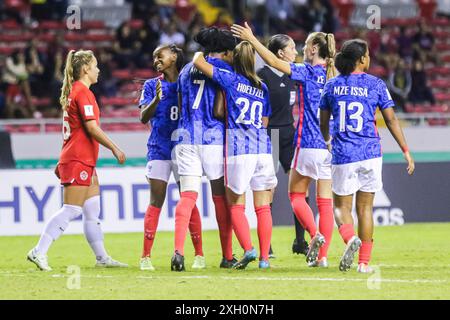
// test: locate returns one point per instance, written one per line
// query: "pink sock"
(326, 223)
(264, 230)
(150, 225)
(347, 232)
(195, 228)
(303, 212)
(365, 252)
(240, 226)
(223, 217)
(183, 213)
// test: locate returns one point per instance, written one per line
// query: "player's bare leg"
(298, 186)
(73, 197)
(223, 218)
(343, 216)
(364, 210)
(236, 203)
(261, 201)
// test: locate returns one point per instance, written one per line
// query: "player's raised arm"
(245, 33)
(201, 64)
(100, 136)
(395, 129)
(148, 110)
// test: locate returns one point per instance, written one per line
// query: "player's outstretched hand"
(158, 90)
(244, 33)
(410, 161)
(120, 155)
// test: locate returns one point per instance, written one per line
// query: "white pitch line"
(412, 281)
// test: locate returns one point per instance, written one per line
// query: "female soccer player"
(159, 103)
(282, 92)
(76, 166)
(200, 151)
(248, 158)
(312, 161)
(352, 98)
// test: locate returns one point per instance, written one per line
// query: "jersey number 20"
(255, 112)
(343, 107)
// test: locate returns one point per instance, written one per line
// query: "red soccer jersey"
(78, 145)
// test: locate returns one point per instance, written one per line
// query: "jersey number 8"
(174, 113)
(255, 112)
(355, 116)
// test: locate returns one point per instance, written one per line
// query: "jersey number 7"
(199, 95)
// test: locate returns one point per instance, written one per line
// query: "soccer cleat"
(228, 264)
(364, 268)
(146, 264)
(249, 256)
(40, 260)
(349, 254)
(177, 262)
(109, 262)
(322, 263)
(300, 247)
(199, 262)
(264, 264)
(316, 243)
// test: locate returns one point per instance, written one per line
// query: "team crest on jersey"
(84, 175)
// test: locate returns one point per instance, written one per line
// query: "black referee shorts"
(286, 146)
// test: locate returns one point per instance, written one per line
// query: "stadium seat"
(442, 22)
(10, 24)
(442, 97)
(93, 24)
(144, 74)
(99, 37)
(440, 83)
(53, 128)
(297, 35)
(122, 74)
(438, 122)
(378, 71)
(7, 51)
(51, 25)
(409, 107)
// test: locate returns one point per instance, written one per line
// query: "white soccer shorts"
(313, 163)
(161, 169)
(199, 160)
(254, 170)
(363, 176)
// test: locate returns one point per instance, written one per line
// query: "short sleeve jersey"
(246, 106)
(165, 119)
(311, 81)
(197, 122)
(353, 101)
(78, 145)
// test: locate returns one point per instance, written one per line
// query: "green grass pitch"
(412, 262)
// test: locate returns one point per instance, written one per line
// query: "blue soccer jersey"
(197, 123)
(311, 82)
(246, 105)
(165, 119)
(353, 101)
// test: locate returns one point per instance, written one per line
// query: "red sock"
(195, 228)
(183, 213)
(264, 230)
(347, 232)
(326, 223)
(150, 225)
(223, 217)
(365, 251)
(240, 226)
(303, 212)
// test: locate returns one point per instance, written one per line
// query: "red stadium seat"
(93, 24)
(443, 46)
(6, 50)
(442, 97)
(297, 35)
(440, 83)
(144, 74)
(409, 107)
(124, 74)
(53, 128)
(438, 122)
(378, 71)
(10, 24)
(446, 58)
(442, 22)
(52, 25)
(74, 37)
(99, 37)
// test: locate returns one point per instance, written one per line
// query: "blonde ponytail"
(72, 72)
(244, 62)
(68, 80)
(331, 44)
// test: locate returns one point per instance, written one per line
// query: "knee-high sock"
(303, 212)
(240, 226)
(365, 252)
(223, 217)
(92, 227)
(56, 226)
(299, 230)
(326, 223)
(150, 226)
(183, 213)
(195, 228)
(346, 231)
(264, 216)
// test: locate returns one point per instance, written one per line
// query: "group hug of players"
(211, 118)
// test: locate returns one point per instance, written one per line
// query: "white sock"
(56, 226)
(92, 227)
